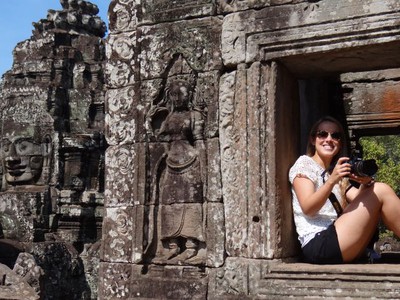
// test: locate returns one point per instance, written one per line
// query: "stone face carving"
(26, 141)
(178, 182)
(23, 159)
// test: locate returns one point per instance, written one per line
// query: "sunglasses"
(322, 134)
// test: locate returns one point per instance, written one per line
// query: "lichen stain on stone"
(390, 98)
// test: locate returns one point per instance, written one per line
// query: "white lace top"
(307, 227)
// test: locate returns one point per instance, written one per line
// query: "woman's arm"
(311, 200)
(365, 182)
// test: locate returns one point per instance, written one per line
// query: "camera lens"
(364, 168)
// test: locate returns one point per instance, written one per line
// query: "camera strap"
(336, 205)
(335, 202)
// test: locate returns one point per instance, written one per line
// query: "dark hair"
(313, 134)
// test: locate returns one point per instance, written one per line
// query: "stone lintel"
(371, 100)
(324, 37)
(373, 120)
(288, 30)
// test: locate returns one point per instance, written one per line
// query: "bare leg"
(357, 225)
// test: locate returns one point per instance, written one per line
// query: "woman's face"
(327, 140)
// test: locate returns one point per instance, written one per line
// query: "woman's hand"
(364, 180)
(342, 169)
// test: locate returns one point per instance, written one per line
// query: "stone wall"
(202, 106)
(205, 105)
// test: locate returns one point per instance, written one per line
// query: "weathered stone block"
(214, 184)
(230, 281)
(215, 235)
(196, 41)
(168, 282)
(118, 234)
(125, 175)
(228, 6)
(35, 49)
(207, 90)
(90, 47)
(119, 74)
(79, 103)
(166, 11)
(115, 280)
(15, 287)
(122, 47)
(371, 99)
(122, 15)
(242, 135)
(18, 213)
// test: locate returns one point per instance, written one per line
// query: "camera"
(363, 168)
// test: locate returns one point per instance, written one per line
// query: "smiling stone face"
(22, 160)
(25, 145)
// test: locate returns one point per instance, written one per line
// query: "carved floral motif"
(116, 281)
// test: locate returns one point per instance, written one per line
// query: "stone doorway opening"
(359, 86)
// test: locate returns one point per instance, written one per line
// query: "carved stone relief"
(189, 39)
(176, 119)
(225, 6)
(121, 128)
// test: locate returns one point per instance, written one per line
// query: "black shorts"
(323, 248)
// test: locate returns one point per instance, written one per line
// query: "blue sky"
(16, 23)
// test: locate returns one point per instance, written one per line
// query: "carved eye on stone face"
(24, 146)
(5, 145)
(27, 147)
(36, 162)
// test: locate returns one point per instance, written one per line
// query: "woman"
(326, 237)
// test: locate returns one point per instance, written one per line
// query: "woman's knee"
(382, 187)
(383, 190)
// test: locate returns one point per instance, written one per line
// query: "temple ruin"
(156, 157)
(52, 152)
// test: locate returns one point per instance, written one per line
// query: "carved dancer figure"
(181, 183)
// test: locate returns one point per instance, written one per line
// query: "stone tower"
(52, 150)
